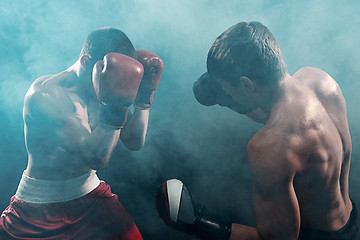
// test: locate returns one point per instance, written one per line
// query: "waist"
(44, 191)
(348, 229)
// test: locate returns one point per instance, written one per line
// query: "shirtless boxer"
(73, 121)
(299, 160)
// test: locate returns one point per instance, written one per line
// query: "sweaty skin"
(63, 137)
(299, 159)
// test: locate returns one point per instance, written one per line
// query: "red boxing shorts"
(96, 215)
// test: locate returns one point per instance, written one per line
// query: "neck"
(83, 81)
(270, 96)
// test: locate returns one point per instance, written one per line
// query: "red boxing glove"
(153, 68)
(116, 80)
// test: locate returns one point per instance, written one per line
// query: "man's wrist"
(113, 116)
(140, 108)
(109, 127)
(211, 227)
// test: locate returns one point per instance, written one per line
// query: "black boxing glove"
(209, 92)
(176, 209)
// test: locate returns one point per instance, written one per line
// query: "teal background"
(203, 146)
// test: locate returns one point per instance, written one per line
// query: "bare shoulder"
(46, 98)
(311, 71)
(319, 80)
(326, 88)
(274, 154)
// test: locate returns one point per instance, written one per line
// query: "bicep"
(276, 210)
(274, 200)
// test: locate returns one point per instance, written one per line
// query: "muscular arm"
(134, 132)
(98, 146)
(274, 201)
(55, 124)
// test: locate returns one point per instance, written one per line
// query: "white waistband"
(43, 191)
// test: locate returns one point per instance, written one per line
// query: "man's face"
(88, 76)
(234, 99)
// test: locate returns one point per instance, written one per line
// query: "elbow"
(98, 163)
(102, 164)
(133, 145)
(133, 142)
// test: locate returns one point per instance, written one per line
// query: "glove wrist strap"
(144, 98)
(113, 116)
(211, 228)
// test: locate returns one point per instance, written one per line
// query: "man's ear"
(246, 85)
(84, 61)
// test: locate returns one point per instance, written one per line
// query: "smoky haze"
(203, 146)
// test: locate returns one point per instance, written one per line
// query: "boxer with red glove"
(116, 80)
(177, 210)
(73, 122)
(153, 68)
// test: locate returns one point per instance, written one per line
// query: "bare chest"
(86, 113)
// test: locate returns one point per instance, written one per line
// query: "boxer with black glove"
(177, 209)
(300, 159)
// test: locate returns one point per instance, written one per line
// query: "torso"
(310, 119)
(53, 111)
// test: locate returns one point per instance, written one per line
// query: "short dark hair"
(246, 49)
(105, 40)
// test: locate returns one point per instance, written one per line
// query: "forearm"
(99, 146)
(242, 232)
(134, 132)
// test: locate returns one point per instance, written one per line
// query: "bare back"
(322, 185)
(303, 154)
